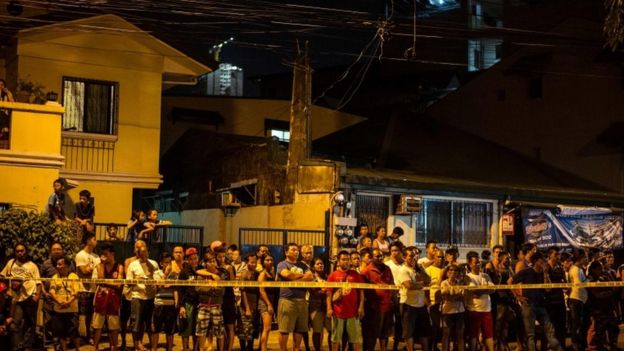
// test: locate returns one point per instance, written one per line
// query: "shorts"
(191, 318)
(112, 321)
(85, 303)
(245, 328)
(453, 321)
(351, 325)
(292, 315)
(141, 315)
(229, 311)
(378, 325)
(319, 320)
(64, 325)
(210, 321)
(262, 307)
(480, 321)
(416, 322)
(164, 319)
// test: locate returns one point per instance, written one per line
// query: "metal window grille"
(90, 106)
(455, 222)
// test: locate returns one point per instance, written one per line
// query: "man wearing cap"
(189, 298)
(292, 310)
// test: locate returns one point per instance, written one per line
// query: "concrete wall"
(308, 213)
(33, 160)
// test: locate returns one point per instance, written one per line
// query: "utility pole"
(300, 112)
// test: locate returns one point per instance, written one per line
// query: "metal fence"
(173, 234)
(276, 240)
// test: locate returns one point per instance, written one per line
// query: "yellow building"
(109, 76)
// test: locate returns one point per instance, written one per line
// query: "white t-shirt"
(395, 269)
(423, 260)
(577, 276)
(29, 272)
(85, 259)
(136, 271)
(414, 298)
(479, 303)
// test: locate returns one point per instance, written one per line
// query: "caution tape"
(324, 284)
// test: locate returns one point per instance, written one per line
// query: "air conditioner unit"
(408, 204)
(228, 200)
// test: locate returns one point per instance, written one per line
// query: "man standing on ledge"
(292, 310)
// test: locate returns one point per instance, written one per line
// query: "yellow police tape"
(322, 284)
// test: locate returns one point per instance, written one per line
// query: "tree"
(38, 232)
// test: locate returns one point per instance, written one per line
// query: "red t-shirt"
(378, 299)
(347, 306)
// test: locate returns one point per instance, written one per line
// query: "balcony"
(88, 152)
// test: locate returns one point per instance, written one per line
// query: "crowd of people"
(431, 307)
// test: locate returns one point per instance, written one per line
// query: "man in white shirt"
(142, 304)
(414, 314)
(395, 263)
(86, 261)
(479, 305)
(25, 293)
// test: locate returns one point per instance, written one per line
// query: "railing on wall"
(276, 240)
(88, 152)
(172, 234)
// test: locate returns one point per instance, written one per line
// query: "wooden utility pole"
(300, 112)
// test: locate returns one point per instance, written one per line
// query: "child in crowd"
(135, 225)
(111, 232)
(56, 201)
(85, 211)
(150, 227)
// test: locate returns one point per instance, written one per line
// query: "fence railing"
(88, 152)
(179, 234)
(276, 240)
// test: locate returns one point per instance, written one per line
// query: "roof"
(175, 62)
(414, 152)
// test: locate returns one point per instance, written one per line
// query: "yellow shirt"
(64, 291)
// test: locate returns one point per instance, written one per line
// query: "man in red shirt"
(346, 305)
(379, 305)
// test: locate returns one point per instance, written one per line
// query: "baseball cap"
(191, 251)
(215, 244)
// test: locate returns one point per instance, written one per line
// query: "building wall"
(32, 163)
(46, 58)
(307, 214)
(581, 98)
(246, 116)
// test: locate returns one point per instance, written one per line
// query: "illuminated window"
(277, 129)
(90, 106)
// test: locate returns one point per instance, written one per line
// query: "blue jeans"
(531, 313)
(578, 332)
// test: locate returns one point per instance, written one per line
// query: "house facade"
(108, 75)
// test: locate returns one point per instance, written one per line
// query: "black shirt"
(530, 276)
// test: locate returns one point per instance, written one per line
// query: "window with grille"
(454, 222)
(90, 106)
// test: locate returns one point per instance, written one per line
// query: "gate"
(276, 240)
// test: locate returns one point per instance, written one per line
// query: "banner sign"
(572, 227)
(507, 224)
